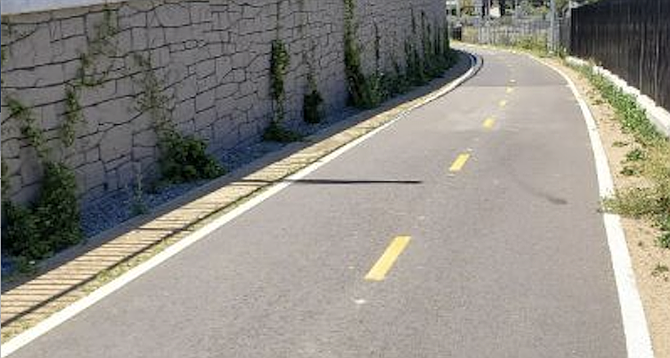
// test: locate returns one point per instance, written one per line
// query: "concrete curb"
(656, 114)
(180, 228)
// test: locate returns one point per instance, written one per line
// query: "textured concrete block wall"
(212, 57)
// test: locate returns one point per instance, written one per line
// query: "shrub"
(51, 224)
(311, 103)
(276, 133)
(184, 159)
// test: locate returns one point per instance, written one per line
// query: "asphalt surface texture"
(507, 258)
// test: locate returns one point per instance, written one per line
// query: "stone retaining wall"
(212, 57)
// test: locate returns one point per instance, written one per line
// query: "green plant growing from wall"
(183, 158)
(73, 116)
(101, 44)
(5, 178)
(312, 100)
(32, 134)
(51, 223)
(364, 92)
(279, 62)
(138, 205)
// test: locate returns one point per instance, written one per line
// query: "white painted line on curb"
(65, 314)
(638, 341)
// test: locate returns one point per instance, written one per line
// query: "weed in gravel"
(660, 270)
(277, 133)
(664, 240)
(630, 171)
(651, 160)
(635, 155)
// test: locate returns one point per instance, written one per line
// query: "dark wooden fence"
(630, 38)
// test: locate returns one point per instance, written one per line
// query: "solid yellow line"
(384, 264)
(502, 103)
(459, 163)
(489, 122)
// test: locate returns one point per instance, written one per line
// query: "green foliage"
(415, 68)
(311, 103)
(22, 237)
(364, 92)
(651, 160)
(632, 118)
(57, 207)
(635, 155)
(630, 171)
(51, 224)
(184, 159)
(427, 55)
(276, 133)
(29, 130)
(279, 62)
(88, 75)
(73, 116)
(5, 178)
(537, 44)
(138, 205)
(664, 240)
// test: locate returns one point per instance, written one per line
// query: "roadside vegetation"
(51, 223)
(649, 158)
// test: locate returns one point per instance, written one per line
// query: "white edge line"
(638, 341)
(72, 310)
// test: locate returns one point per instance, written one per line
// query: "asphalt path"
(467, 229)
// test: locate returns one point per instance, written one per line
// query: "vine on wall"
(183, 158)
(279, 62)
(364, 91)
(51, 223)
(427, 55)
(312, 99)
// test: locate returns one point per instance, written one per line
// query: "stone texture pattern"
(33, 301)
(212, 57)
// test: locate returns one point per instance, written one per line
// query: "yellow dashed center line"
(459, 163)
(381, 268)
(502, 103)
(489, 123)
